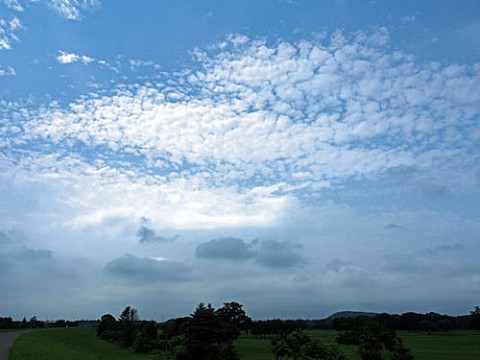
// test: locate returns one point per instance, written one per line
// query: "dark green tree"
(210, 336)
(203, 334)
(298, 345)
(108, 328)
(6, 323)
(127, 324)
(369, 347)
(33, 322)
(233, 313)
(475, 318)
(400, 352)
(147, 337)
(370, 336)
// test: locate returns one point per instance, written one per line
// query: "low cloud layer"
(130, 267)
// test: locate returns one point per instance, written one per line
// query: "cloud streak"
(130, 267)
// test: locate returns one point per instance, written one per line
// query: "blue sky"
(300, 157)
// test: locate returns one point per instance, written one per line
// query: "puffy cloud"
(14, 4)
(294, 115)
(147, 235)
(10, 71)
(69, 58)
(269, 253)
(310, 140)
(277, 254)
(225, 248)
(8, 28)
(72, 9)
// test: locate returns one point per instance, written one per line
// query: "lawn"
(68, 344)
(82, 344)
(464, 345)
(250, 348)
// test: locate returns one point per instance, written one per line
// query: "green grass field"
(68, 344)
(82, 344)
(254, 349)
(455, 345)
(464, 345)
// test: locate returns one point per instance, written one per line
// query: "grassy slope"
(68, 344)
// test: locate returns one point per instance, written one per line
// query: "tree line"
(34, 323)
(209, 333)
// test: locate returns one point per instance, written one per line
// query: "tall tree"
(127, 326)
(147, 337)
(233, 313)
(299, 345)
(203, 334)
(108, 328)
(474, 319)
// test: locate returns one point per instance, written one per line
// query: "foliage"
(475, 318)
(371, 337)
(205, 334)
(233, 313)
(299, 345)
(6, 323)
(269, 328)
(127, 326)
(108, 328)
(174, 327)
(147, 338)
(399, 352)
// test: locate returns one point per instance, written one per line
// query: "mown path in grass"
(6, 341)
(68, 344)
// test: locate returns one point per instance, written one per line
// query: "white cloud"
(9, 71)
(72, 9)
(14, 4)
(67, 58)
(407, 19)
(258, 141)
(7, 32)
(336, 112)
(70, 58)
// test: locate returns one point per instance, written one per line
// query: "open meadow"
(82, 344)
(69, 344)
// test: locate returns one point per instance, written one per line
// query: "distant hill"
(347, 314)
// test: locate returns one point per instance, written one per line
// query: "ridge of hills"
(347, 314)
